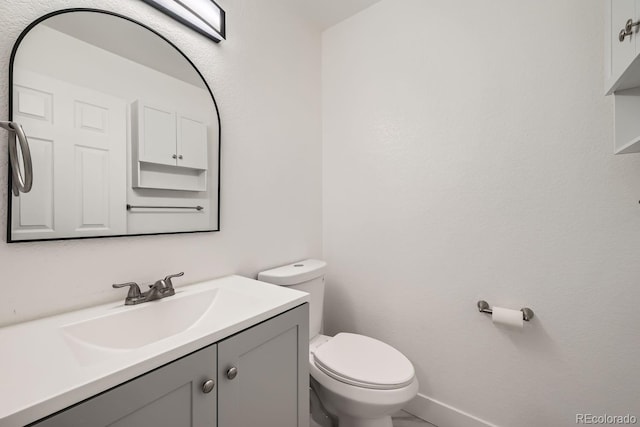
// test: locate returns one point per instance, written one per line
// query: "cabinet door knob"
(174, 156)
(232, 372)
(208, 385)
(180, 157)
(627, 30)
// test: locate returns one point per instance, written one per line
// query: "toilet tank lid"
(293, 274)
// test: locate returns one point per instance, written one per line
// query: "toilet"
(360, 381)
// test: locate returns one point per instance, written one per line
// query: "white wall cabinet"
(622, 71)
(260, 374)
(167, 137)
(622, 56)
(155, 134)
(191, 142)
(169, 148)
(622, 52)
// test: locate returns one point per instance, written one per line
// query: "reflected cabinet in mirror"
(124, 131)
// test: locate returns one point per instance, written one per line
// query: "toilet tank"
(307, 276)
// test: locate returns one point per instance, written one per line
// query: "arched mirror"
(124, 131)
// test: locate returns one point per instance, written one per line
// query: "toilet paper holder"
(483, 307)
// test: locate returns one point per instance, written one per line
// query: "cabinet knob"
(627, 30)
(174, 156)
(232, 372)
(208, 385)
(180, 157)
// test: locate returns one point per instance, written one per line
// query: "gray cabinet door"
(170, 396)
(271, 385)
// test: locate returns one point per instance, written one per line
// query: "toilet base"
(359, 407)
(347, 421)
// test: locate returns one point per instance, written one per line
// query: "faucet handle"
(134, 289)
(169, 277)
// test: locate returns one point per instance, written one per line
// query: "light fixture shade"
(203, 16)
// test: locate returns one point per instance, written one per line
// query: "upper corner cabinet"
(623, 47)
(622, 39)
(135, 145)
(622, 71)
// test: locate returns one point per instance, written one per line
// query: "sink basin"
(133, 327)
(123, 329)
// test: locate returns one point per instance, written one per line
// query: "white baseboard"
(441, 414)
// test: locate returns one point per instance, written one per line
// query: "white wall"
(467, 154)
(266, 80)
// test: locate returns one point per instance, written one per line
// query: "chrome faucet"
(160, 289)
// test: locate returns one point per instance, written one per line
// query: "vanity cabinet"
(260, 374)
(170, 396)
(263, 377)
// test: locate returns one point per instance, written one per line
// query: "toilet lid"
(364, 362)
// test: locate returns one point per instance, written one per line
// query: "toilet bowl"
(360, 396)
(359, 380)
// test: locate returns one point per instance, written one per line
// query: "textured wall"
(468, 155)
(266, 79)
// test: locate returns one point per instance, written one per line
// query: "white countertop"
(40, 374)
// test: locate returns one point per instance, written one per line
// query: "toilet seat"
(364, 362)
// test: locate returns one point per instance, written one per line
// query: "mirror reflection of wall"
(123, 130)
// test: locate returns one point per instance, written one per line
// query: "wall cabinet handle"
(21, 181)
(627, 30)
(180, 157)
(174, 156)
(208, 385)
(232, 372)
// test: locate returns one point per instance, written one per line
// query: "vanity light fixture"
(203, 16)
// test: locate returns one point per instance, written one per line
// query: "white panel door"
(32, 213)
(98, 132)
(192, 143)
(79, 140)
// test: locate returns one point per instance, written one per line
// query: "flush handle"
(232, 372)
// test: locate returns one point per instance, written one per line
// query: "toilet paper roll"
(506, 316)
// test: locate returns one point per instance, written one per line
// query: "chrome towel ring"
(21, 181)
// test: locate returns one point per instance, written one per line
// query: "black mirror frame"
(10, 110)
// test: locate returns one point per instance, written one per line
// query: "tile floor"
(400, 419)
(404, 419)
